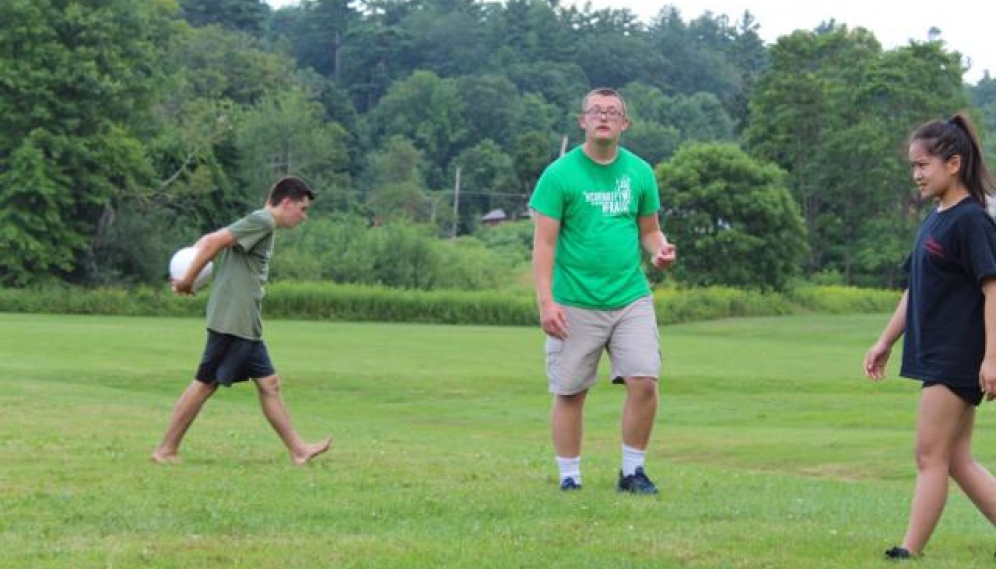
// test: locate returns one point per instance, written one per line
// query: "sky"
(966, 25)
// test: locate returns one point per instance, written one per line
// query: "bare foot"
(160, 456)
(312, 450)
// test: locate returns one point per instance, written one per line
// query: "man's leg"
(276, 413)
(636, 361)
(184, 412)
(639, 411)
(566, 420)
(566, 425)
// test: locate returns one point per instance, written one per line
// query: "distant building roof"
(494, 215)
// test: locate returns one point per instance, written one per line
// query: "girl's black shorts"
(971, 395)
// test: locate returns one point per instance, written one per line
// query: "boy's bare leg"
(639, 410)
(184, 412)
(276, 413)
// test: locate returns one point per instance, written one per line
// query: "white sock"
(569, 468)
(631, 459)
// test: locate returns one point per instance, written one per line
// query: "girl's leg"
(977, 483)
(940, 422)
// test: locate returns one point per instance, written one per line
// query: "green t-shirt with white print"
(597, 260)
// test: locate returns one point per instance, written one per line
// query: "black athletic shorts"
(971, 395)
(230, 359)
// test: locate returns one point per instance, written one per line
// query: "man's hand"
(553, 319)
(665, 257)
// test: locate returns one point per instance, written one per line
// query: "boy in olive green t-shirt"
(235, 350)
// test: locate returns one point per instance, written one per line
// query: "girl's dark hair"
(956, 137)
(290, 187)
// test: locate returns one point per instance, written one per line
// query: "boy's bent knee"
(269, 385)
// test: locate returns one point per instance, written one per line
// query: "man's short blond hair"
(604, 92)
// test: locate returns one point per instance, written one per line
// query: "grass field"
(770, 449)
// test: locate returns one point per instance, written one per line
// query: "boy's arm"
(207, 247)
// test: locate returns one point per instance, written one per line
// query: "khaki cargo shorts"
(629, 335)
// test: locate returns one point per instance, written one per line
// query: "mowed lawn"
(771, 451)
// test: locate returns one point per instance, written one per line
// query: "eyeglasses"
(597, 112)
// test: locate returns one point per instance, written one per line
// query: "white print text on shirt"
(615, 202)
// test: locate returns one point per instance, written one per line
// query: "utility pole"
(456, 203)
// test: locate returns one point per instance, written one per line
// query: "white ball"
(180, 262)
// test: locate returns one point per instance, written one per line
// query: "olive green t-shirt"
(597, 260)
(240, 272)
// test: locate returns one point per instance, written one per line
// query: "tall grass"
(769, 448)
(513, 307)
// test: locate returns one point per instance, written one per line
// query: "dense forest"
(130, 127)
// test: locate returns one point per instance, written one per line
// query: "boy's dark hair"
(290, 187)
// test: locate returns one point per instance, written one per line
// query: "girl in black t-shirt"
(948, 319)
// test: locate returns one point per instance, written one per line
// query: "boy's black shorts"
(230, 359)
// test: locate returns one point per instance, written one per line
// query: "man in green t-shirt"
(235, 350)
(593, 209)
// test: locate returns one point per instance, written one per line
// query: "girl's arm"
(987, 373)
(878, 355)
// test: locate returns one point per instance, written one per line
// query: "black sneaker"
(899, 553)
(568, 484)
(636, 483)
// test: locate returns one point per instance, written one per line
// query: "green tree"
(404, 255)
(732, 217)
(333, 248)
(394, 186)
(534, 114)
(984, 92)
(613, 49)
(490, 106)
(527, 31)
(285, 134)
(316, 32)
(560, 83)
(699, 117)
(709, 54)
(77, 82)
(210, 75)
(660, 124)
(530, 156)
(832, 111)
(242, 15)
(487, 181)
(448, 37)
(214, 63)
(651, 141)
(428, 111)
(984, 99)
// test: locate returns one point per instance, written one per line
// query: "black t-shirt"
(945, 335)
